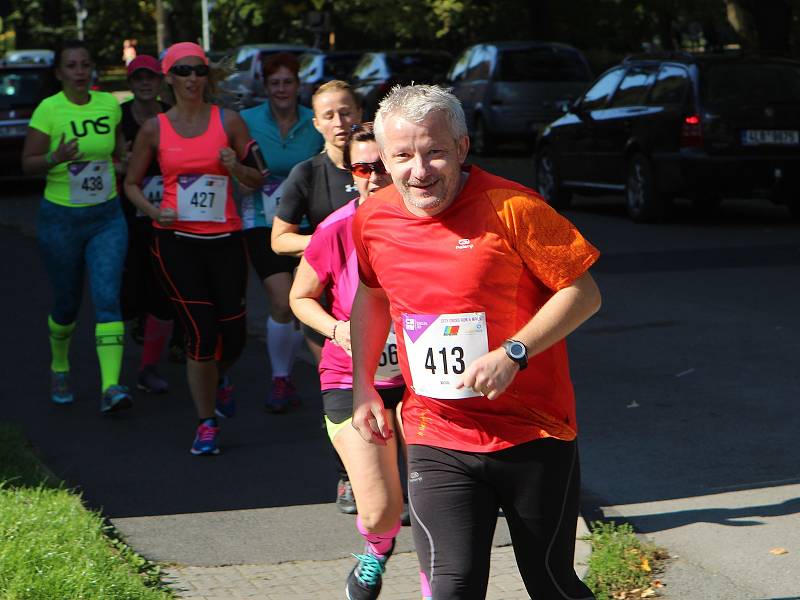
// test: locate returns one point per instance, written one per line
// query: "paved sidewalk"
(324, 580)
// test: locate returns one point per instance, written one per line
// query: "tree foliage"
(603, 28)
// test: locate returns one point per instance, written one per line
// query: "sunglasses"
(186, 70)
(365, 170)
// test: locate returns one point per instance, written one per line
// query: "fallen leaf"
(646, 565)
(779, 551)
(657, 583)
(648, 593)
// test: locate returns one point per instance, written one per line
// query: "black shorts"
(454, 495)
(265, 262)
(338, 404)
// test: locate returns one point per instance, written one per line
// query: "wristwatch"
(517, 352)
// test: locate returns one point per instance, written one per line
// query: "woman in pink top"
(197, 242)
(329, 266)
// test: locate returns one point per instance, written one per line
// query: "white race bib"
(389, 365)
(271, 196)
(153, 190)
(89, 181)
(440, 348)
(202, 197)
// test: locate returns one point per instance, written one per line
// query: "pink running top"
(332, 255)
(189, 159)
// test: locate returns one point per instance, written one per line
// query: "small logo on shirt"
(464, 244)
(451, 329)
(414, 476)
(350, 188)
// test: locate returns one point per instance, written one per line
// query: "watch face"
(516, 350)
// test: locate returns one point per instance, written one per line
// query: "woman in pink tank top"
(197, 243)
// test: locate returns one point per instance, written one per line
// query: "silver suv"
(513, 90)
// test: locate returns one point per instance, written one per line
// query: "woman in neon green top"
(72, 138)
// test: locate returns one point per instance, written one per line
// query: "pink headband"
(179, 51)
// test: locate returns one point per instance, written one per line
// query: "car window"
(21, 88)
(419, 66)
(750, 83)
(541, 64)
(339, 67)
(244, 59)
(633, 88)
(368, 67)
(597, 95)
(480, 64)
(309, 67)
(670, 86)
(459, 69)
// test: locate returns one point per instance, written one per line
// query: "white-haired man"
(483, 281)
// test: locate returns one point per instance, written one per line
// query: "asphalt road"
(687, 383)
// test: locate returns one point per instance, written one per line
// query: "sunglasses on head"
(186, 70)
(365, 170)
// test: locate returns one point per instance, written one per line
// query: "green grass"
(51, 547)
(621, 565)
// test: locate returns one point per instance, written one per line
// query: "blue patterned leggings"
(72, 239)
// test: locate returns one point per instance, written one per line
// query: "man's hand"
(369, 419)
(490, 375)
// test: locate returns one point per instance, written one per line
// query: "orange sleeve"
(551, 247)
(365, 272)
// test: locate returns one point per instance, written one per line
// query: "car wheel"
(481, 140)
(548, 181)
(645, 203)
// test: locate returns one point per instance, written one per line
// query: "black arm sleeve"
(294, 201)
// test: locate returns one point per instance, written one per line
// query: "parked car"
(513, 90)
(245, 87)
(378, 72)
(22, 87)
(698, 126)
(316, 69)
(30, 56)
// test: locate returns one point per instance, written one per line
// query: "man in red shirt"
(483, 281)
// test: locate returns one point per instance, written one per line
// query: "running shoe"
(149, 380)
(365, 580)
(281, 395)
(205, 441)
(345, 501)
(226, 405)
(116, 397)
(60, 392)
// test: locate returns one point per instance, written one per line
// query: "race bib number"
(202, 197)
(89, 181)
(388, 365)
(439, 350)
(270, 197)
(153, 190)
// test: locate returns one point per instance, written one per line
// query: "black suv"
(698, 126)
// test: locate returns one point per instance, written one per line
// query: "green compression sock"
(60, 337)
(108, 339)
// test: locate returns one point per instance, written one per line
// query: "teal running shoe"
(366, 579)
(60, 391)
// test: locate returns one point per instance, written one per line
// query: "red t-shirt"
(499, 249)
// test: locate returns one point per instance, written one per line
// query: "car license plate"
(13, 130)
(771, 137)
